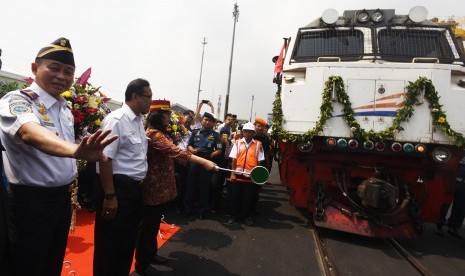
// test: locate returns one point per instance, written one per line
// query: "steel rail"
(408, 257)
(323, 257)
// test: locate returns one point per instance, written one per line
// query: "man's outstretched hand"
(91, 147)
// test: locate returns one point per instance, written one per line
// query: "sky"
(160, 40)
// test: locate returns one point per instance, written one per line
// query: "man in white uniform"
(119, 199)
(37, 131)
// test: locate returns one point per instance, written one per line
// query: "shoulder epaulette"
(31, 94)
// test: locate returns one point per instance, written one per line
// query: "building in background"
(113, 104)
(11, 81)
(178, 108)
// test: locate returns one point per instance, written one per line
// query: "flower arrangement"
(414, 90)
(88, 106)
(177, 130)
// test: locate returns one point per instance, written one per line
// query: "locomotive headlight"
(380, 146)
(342, 143)
(441, 155)
(330, 16)
(377, 16)
(420, 148)
(353, 144)
(408, 148)
(396, 147)
(363, 16)
(305, 146)
(417, 14)
(331, 142)
(369, 145)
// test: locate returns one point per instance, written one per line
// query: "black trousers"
(457, 214)
(181, 179)
(39, 220)
(115, 240)
(243, 199)
(216, 190)
(199, 178)
(147, 245)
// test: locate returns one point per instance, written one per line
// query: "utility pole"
(201, 67)
(251, 108)
(219, 107)
(236, 18)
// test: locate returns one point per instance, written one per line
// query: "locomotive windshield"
(389, 43)
(404, 44)
(346, 44)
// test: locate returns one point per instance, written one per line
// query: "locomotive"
(369, 120)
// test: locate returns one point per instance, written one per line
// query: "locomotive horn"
(259, 175)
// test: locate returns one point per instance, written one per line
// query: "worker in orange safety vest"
(246, 154)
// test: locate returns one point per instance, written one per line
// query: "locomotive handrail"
(425, 60)
(328, 59)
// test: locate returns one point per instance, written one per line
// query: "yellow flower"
(97, 122)
(175, 127)
(441, 120)
(66, 94)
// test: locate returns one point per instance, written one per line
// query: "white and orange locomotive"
(370, 120)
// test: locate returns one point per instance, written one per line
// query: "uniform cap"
(261, 121)
(59, 50)
(209, 115)
(160, 105)
(248, 126)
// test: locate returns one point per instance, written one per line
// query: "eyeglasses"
(146, 96)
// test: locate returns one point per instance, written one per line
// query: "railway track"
(328, 264)
(324, 259)
(408, 257)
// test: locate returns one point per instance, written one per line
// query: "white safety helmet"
(248, 126)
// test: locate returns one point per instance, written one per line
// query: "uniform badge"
(48, 124)
(16, 98)
(211, 137)
(31, 94)
(42, 111)
(20, 107)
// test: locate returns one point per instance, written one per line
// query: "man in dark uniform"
(457, 215)
(37, 131)
(204, 142)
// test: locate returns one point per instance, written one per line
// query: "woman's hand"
(209, 165)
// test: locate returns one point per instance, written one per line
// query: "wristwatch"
(109, 196)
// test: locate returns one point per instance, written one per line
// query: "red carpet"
(80, 249)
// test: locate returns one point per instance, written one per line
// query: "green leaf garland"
(414, 91)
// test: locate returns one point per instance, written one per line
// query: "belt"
(128, 179)
(41, 189)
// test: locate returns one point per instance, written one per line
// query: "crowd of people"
(139, 171)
